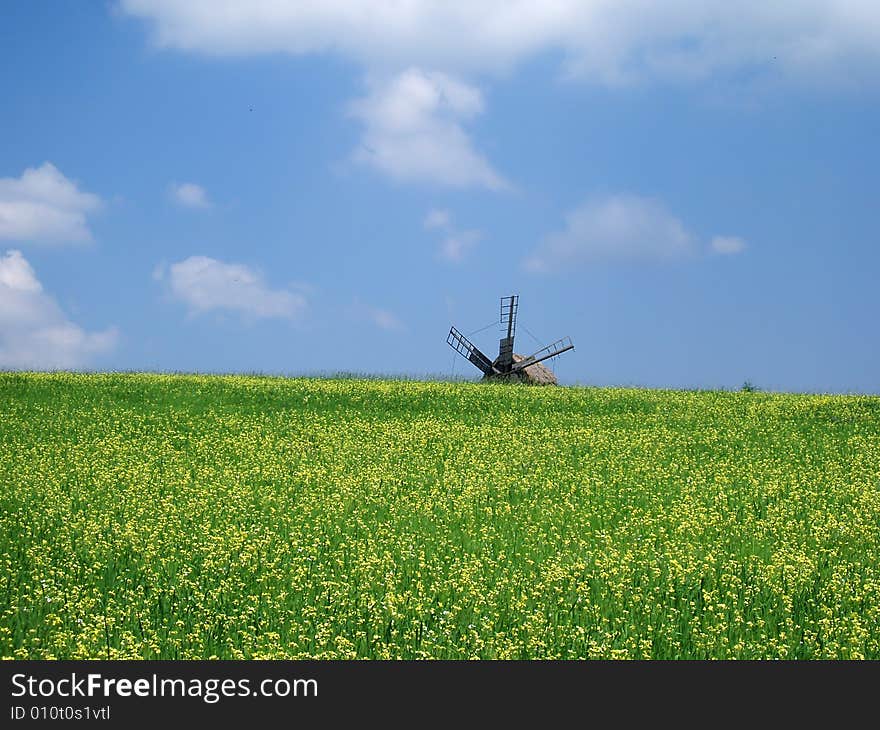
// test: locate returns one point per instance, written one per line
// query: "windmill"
(508, 364)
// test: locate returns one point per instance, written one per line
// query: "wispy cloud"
(728, 245)
(455, 244)
(205, 285)
(614, 228)
(44, 206)
(622, 228)
(380, 317)
(189, 195)
(34, 331)
(438, 219)
(384, 319)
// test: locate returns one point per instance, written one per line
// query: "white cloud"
(728, 245)
(604, 40)
(384, 319)
(43, 205)
(189, 195)
(457, 244)
(619, 227)
(437, 219)
(205, 284)
(34, 332)
(413, 131)
(16, 273)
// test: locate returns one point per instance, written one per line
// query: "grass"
(174, 516)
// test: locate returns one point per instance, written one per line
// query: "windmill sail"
(462, 345)
(551, 350)
(509, 305)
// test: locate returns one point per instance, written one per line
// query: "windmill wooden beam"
(467, 349)
(557, 348)
(509, 364)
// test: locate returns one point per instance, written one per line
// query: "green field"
(160, 516)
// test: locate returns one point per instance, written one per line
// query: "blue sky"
(689, 192)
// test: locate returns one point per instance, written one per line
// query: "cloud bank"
(606, 41)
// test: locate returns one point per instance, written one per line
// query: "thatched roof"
(535, 374)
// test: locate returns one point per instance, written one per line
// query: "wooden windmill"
(508, 364)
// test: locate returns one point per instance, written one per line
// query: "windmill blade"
(467, 349)
(509, 306)
(551, 350)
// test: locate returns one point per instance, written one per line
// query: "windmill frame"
(507, 364)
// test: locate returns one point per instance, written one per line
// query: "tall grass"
(159, 516)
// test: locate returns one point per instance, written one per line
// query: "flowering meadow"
(183, 517)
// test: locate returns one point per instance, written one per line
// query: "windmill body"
(508, 364)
